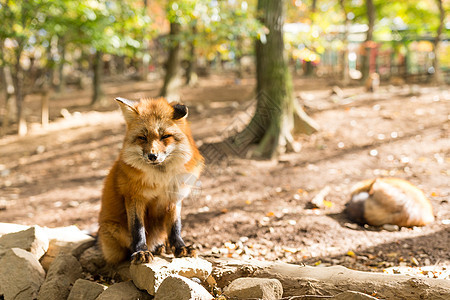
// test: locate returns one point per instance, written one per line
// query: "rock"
(68, 239)
(181, 288)
(86, 290)
(21, 275)
(92, 259)
(390, 227)
(124, 291)
(150, 276)
(352, 295)
(62, 274)
(33, 240)
(6, 228)
(261, 288)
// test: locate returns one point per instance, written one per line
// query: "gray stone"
(21, 275)
(181, 288)
(124, 291)
(92, 259)
(353, 295)
(62, 274)
(149, 276)
(68, 239)
(33, 240)
(86, 290)
(261, 288)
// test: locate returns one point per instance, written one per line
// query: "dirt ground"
(251, 208)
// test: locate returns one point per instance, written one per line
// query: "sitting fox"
(141, 201)
(389, 201)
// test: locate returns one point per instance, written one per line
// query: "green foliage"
(116, 27)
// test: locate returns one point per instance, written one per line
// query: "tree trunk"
(309, 67)
(17, 79)
(61, 79)
(365, 68)
(192, 60)
(171, 80)
(438, 77)
(272, 125)
(345, 69)
(45, 97)
(97, 69)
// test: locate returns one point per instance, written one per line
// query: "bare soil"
(251, 208)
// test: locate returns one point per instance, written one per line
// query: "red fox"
(141, 201)
(389, 201)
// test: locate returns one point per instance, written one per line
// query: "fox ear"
(128, 108)
(179, 111)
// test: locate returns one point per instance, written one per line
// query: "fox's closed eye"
(142, 138)
(166, 136)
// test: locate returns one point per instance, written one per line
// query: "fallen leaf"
(351, 253)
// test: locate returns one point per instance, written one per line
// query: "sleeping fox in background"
(141, 201)
(389, 201)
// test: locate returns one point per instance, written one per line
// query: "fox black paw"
(141, 257)
(184, 251)
(159, 249)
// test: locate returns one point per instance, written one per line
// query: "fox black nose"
(152, 156)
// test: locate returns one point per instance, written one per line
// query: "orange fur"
(140, 189)
(389, 201)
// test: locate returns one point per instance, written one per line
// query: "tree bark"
(345, 70)
(365, 68)
(309, 67)
(273, 123)
(191, 59)
(438, 77)
(61, 79)
(171, 80)
(17, 79)
(96, 82)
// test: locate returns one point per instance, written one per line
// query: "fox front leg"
(138, 247)
(177, 244)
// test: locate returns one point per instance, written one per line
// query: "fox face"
(154, 137)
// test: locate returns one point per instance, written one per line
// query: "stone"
(33, 240)
(248, 287)
(149, 276)
(124, 291)
(68, 239)
(181, 288)
(86, 290)
(62, 274)
(92, 259)
(21, 275)
(352, 295)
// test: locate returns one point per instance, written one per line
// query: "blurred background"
(49, 46)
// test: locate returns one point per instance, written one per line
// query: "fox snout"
(155, 157)
(152, 157)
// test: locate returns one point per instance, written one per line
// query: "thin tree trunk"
(97, 69)
(273, 123)
(345, 70)
(61, 79)
(309, 68)
(45, 97)
(171, 80)
(192, 60)
(18, 92)
(365, 69)
(438, 77)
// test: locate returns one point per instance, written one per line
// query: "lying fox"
(141, 201)
(389, 201)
